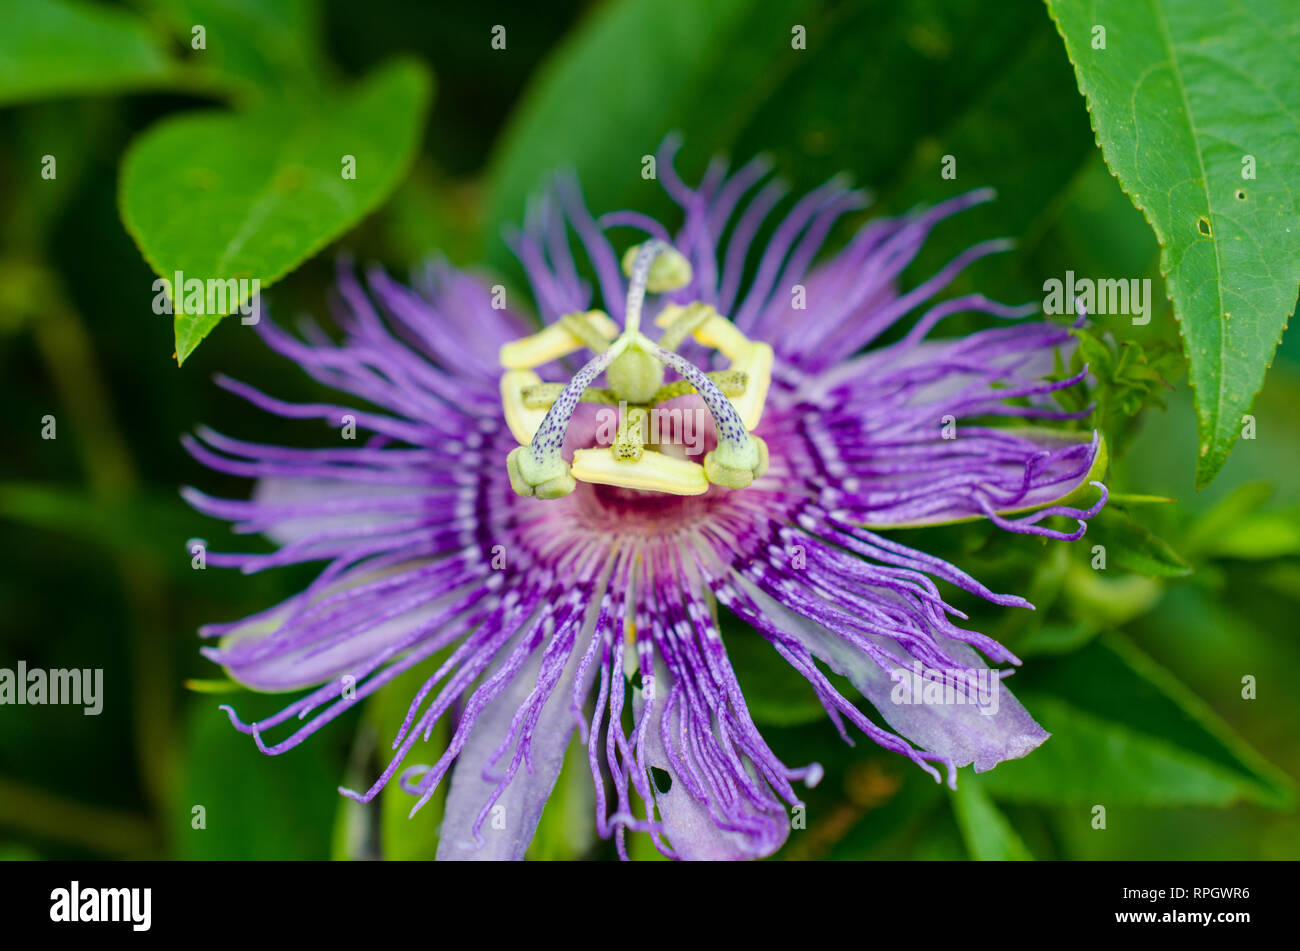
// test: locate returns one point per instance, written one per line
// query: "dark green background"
(93, 571)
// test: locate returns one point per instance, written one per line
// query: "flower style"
(555, 577)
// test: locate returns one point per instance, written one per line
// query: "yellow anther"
(730, 382)
(653, 472)
(522, 418)
(554, 341)
(684, 320)
(714, 331)
(746, 356)
(541, 395)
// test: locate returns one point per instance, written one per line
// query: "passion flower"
(552, 579)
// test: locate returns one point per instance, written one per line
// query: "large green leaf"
(1125, 732)
(1185, 98)
(52, 48)
(198, 200)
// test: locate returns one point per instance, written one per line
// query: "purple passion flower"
(555, 562)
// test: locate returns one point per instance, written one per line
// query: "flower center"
(539, 413)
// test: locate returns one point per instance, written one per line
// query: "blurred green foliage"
(1136, 668)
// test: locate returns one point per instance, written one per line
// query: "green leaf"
(403, 836)
(200, 202)
(254, 806)
(252, 48)
(51, 48)
(1181, 119)
(1125, 732)
(1131, 547)
(1126, 379)
(987, 833)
